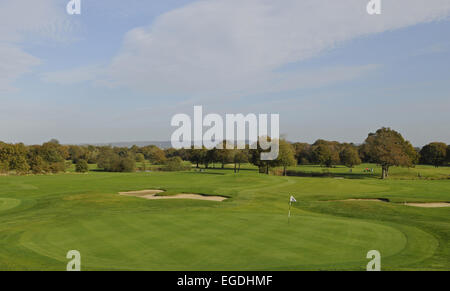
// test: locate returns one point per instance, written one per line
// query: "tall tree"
(154, 154)
(434, 153)
(388, 148)
(302, 153)
(239, 157)
(211, 157)
(448, 154)
(255, 158)
(349, 156)
(224, 155)
(326, 153)
(286, 155)
(197, 156)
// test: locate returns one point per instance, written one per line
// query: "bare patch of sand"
(141, 193)
(425, 205)
(151, 194)
(366, 199)
(429, 205)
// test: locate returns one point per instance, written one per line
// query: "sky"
(120, 70)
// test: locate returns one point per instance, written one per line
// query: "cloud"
(13, 63)
(221, 46)
(73, 76)
(23, 21)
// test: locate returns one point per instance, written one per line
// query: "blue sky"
(122, 69)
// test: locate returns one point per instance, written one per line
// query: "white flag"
(292, 199)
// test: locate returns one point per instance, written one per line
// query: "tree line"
(385, 147)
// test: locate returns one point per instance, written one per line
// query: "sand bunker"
(141, 193)
(429, 205)
(425, 205)
(151, 194)
(366, 199)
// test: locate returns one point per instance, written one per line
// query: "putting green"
(8, 203)
(204, 241)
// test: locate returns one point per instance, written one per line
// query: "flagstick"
(289, 214)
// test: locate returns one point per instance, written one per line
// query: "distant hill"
(128, 144)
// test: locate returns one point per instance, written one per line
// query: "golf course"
(334, 223)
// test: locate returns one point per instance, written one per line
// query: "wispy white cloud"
(13, 63)
(223, 46)
(23, 21)
(73, 76)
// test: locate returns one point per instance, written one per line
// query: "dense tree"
(448, 154)
(91, 154)
(53, 154)
(286, 155)
(127, 164)
(175, 164)
(37, 164)
(112, 161)
(385, 147)
(326, 153)
(76, 153)
(197, 156)
(13, 158)
(413, 154)
(255, 158)
(434, 153)
(212, 157)
(171, 152)
(21, 165)
(184, 154)
(388, 148)
(4, 167)
(224, 155)
(285, 158)
(239, 157)
(154, 154)
(349, 156)
(140, 158)
(302, 153)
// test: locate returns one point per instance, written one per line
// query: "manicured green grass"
(43, 217)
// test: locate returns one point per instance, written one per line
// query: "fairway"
(43, 217)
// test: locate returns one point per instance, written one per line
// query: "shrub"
(140, 158)
(175, 164)
(81, 166)
(38, 165)
(57, 167)
(127, 165)
(4, 166)
(113, 162)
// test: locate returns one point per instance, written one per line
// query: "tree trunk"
(384, 172)
(239, 170)
(235, 168)
(284, 171)
(267, 169)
